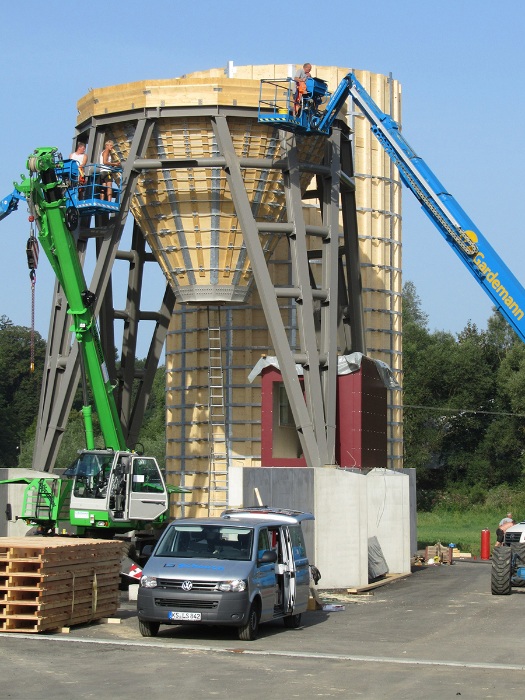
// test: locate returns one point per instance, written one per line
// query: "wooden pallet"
(49, 583)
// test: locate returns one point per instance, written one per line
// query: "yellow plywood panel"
(188, 215)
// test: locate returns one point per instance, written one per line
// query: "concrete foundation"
(11, 500)
(349, 508)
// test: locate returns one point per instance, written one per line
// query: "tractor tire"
(248, 632)
(148, 628)
(501, 576)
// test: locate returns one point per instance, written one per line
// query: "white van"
(246, 567)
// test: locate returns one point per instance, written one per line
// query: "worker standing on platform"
(300, 81)
(80, 156)
(108, 157)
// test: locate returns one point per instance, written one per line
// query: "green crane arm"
(47, 198)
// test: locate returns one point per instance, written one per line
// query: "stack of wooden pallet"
(50, 582)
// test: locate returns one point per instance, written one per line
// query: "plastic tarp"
(377, 565)
(346, 364)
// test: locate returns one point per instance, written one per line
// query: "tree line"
(20, 396)
(464, 417)
(464, 398)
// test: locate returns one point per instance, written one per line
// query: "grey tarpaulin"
(377, 565)
(346, 364)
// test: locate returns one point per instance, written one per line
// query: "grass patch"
(463, 528)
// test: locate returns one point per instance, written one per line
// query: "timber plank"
(33, 608)
(46, 583)
(46, 588)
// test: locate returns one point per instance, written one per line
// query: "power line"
(466, 410)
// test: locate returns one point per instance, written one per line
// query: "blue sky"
(461, 64)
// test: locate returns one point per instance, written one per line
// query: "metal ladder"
(218, 467)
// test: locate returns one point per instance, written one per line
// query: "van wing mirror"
(268, 557)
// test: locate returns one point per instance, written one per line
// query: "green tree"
(19, 386)
(456, 392)
(153, 431)
(421, 423)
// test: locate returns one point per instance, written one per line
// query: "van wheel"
(248, 632)
(148, 628)
(292, 621)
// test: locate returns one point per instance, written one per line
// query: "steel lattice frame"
(340, 328)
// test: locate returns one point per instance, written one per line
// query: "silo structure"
(214, 194)
(378, 194)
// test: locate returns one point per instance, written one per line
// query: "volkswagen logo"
(187, 585)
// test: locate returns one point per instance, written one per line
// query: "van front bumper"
(215, 607)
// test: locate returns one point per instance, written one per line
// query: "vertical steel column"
(329, 281)
(268, 295)
(351, 249)
(305, 307)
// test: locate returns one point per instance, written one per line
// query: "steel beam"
(266, 290)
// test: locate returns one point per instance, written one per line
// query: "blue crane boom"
(9, 203)
(319, 110)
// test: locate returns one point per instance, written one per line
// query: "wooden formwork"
(49, 583)
(187, 213)
(245, 339)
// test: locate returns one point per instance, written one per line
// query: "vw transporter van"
(244, 568)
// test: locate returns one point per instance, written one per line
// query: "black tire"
(501, 575)
(148, 628)
(292, 621)
(248, 632)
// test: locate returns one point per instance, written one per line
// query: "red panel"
(361, 419)
(361, 440)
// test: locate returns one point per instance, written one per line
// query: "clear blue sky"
(461, 64)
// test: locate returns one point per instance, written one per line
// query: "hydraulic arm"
(460, 232)
(47, 199)
(113, 487)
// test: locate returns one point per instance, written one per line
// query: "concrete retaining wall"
(349, 507)
(11, 495)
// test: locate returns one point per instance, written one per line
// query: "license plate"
(183, 616)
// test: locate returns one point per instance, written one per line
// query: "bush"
(505, 498)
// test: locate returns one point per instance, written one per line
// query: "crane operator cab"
(115, 487)
(246, 567)
(279, 104)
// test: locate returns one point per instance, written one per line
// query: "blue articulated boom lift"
(316, 114)
(106, 491)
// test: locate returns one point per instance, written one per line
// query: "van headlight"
(235, 586)
(148, 582)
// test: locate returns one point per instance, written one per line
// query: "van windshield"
(207, 542)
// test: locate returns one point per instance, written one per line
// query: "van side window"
(296, 536)
(264, 542)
